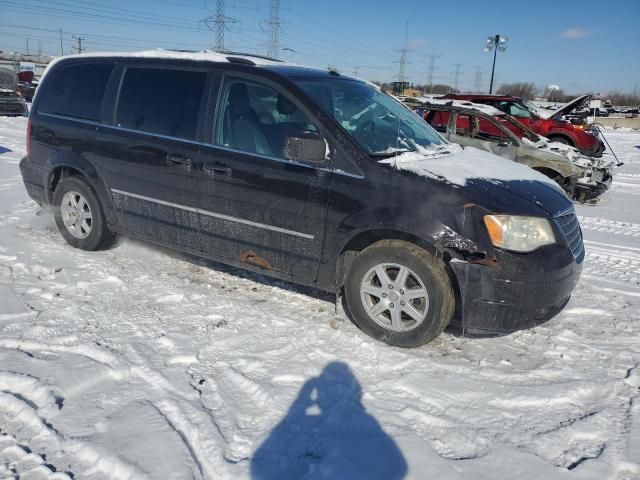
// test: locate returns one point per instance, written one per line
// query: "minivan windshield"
(380, 124)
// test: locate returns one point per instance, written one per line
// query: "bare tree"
(525, 90)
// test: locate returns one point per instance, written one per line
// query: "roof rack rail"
(244, 54)
(242, 60)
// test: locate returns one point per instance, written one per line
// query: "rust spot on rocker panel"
(251, 258)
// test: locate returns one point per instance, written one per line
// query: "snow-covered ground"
(143, 363)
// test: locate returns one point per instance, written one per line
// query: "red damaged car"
(558, 126)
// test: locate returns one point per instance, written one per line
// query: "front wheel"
(399, 294)
(560, 139)
(79, 215)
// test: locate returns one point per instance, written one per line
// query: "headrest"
(285, 106)
(239, 100)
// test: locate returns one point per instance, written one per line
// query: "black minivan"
(305, 175)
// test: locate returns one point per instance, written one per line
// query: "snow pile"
(138, 362)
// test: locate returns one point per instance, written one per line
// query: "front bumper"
(518, 292)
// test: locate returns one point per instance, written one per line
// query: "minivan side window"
(161, 100)
(76, 91)
(256, 118)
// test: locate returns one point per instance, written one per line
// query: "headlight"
(520, 234)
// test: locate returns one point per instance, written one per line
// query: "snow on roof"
(461, 104)
(205, 55)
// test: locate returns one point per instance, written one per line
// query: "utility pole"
(27, 46)
(477, 80)
(61, 49)
(218, 24)
(274, 22)
(79, 40)
(430, 69)
(39, 49)
(356, 69)
(402, 68)
(456, 75)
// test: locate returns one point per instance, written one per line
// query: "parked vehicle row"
(560, 126)
(305, 175)
(485, 127)
(11, 102)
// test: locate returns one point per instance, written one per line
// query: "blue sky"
(580, 45)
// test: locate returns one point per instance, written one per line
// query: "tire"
(86, 226)
(563, 140)
(363, 286)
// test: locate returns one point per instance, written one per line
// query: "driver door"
(258, 207)
(471, 130)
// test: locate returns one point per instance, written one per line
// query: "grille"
(568, 223)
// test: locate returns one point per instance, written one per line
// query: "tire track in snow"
(18, 414)
(17, 461)
(618, 265)
(599, 224)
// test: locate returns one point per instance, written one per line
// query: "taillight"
(29, 137)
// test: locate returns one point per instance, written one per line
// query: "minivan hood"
(474, 168)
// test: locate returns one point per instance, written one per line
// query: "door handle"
(226, 171)
(174, 158)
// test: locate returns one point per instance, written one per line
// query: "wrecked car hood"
(569, 152)
(572, 105)
(471, 166)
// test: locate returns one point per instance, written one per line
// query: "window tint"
(256, 118)
(76, 91)
(163, 101)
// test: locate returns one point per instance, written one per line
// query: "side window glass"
(163, 101)
(256, 118)
(519, 111)
(76, 91)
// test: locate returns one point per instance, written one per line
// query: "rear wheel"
(397, 293)
(79, 215)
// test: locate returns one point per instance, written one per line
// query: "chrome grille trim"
(568, 223)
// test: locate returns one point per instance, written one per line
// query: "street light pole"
(493, 68)
(495, 43)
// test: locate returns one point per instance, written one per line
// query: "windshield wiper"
(388, 153)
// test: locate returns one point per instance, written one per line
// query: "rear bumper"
(33, 178)
(13, 107)
(519, 292)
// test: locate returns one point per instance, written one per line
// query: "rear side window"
(159, 100)
(76, 91)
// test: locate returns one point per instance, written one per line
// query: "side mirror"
(305, 147)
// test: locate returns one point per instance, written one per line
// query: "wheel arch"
(552, 136)
(363, 239)
(68, 164)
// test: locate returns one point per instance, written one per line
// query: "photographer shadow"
(328, 434)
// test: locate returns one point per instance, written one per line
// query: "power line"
(430, 69)
(79, 40)
(477, 80)
(218, 24)
(402, 74)
(273, 45)
(456, 75)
